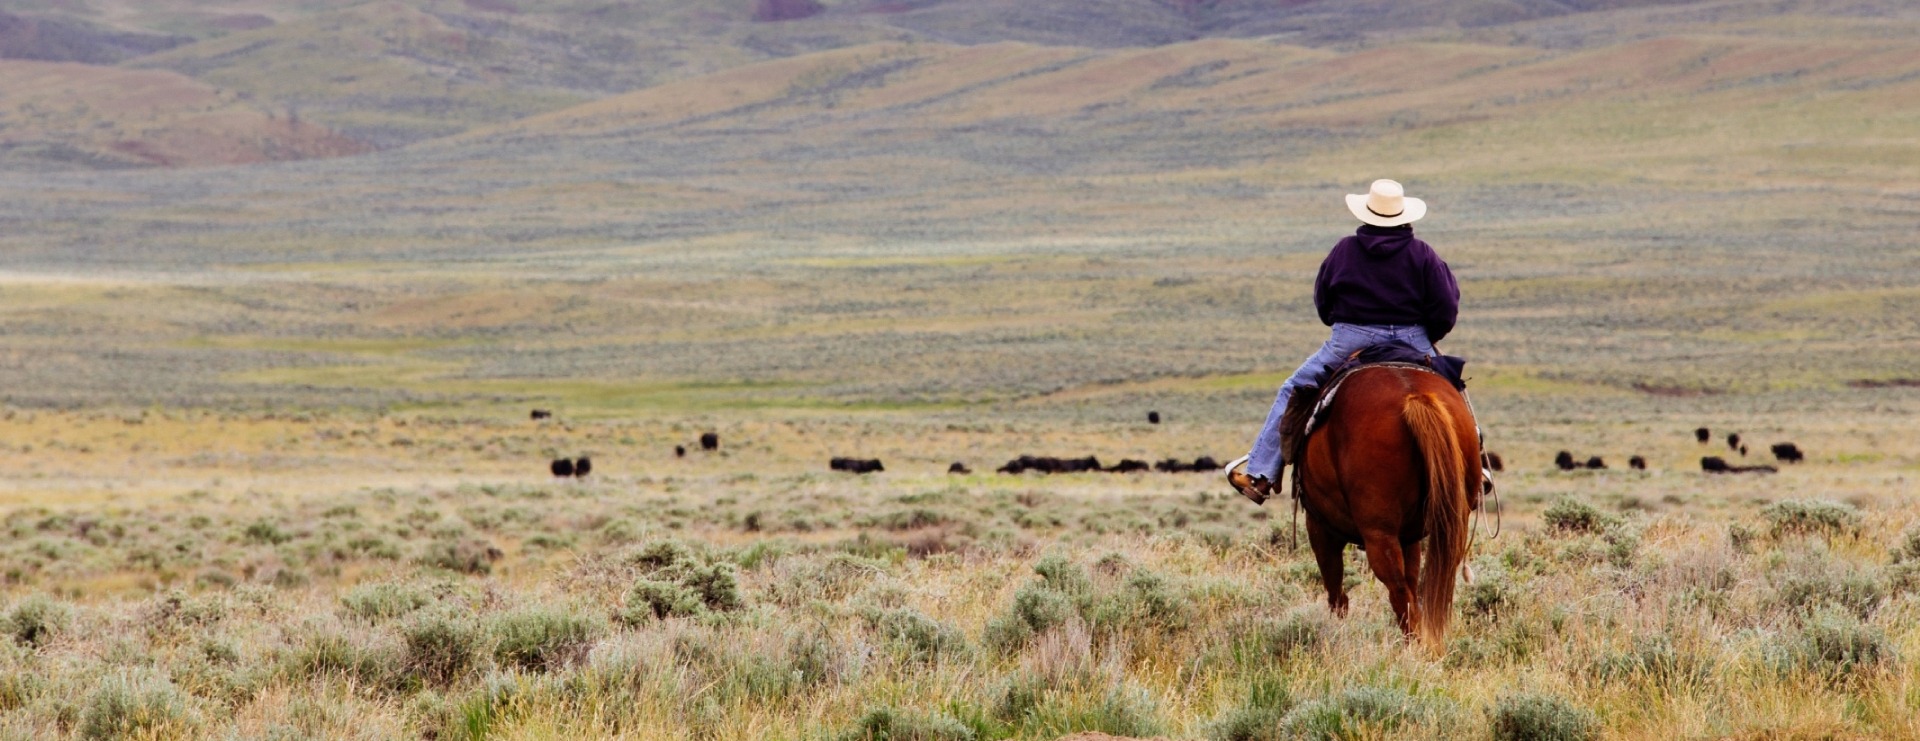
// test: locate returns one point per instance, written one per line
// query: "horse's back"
(1364, 466)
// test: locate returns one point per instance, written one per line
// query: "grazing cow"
(1204, 464)
(1733, 441)
(1715, 464)
(1743, 451)
(1491, 461)
(1637, 463)
(1596, 464)
(856, 465)
(1788, 453)
(710, 441)
(542, 414)
(561, 467)
(1129, 465)
(1565, 461)
(582, 467)
(959, 467)
(1703, 435)
(1153, 418)
(679, 451)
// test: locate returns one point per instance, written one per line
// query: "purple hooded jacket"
(1384, 275)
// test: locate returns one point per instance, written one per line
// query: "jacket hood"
(1384, 241)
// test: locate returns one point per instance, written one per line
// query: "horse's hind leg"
(1392, 565)
(1330, 552)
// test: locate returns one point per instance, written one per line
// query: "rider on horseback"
(1379, 285)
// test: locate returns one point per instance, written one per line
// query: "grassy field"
(267, 468)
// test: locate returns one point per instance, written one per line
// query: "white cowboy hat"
(1386, 204)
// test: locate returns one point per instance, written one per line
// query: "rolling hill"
(56, 115)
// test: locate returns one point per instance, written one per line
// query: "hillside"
(897, 223)
(55, 115)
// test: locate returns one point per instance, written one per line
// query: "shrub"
(1356, 712)
(266, 532)
(36, 620)
(1063, 575)
(1536, 717)
(1856, 591)
(917, 636)
(1651, 659)
(1035, 609)
(1570, 516)
(680, 584)
(334, 654)
(543, 639)
(1833, 643)
(1258, 718)
(440, 647)
(1149, 599)
(461, 555)
(1489, 596)
(1908, 549)
(1811, 517)
(384, 601)
(122, 706)
(1297, 633)
(890, 724)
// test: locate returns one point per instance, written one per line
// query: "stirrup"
(1243, 483)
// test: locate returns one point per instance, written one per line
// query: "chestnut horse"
(1395, 463)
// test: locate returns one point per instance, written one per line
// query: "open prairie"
(279, 293)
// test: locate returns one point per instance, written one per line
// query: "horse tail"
(1447, 511)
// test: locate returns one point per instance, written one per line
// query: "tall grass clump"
(543, 638)
(1811, 517)
(1538, 717)
(127, 706)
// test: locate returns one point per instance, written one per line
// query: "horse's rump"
(1390, 467)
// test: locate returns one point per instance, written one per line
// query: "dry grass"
(310, 601)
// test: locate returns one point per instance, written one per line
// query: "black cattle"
(561, 467)
(541, 414)
(679, 451)
(710, 441)
(1703, 435)
(1492, 462)
(1716, 464)
(1080, 465)
(1743, 451)
(1129, 465)
(1205, 463)
(1596, 464)
(1565, 461)
(1637, 463)
(856, 465)
(1733, 441)
(1153, 418)
(959, 467)
(1788, 453)
(582, 467)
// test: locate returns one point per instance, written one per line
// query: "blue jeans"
(1345, 340)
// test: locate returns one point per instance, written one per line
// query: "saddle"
(1310, 404)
